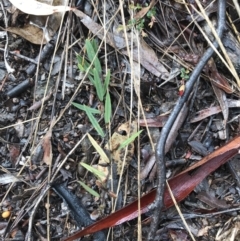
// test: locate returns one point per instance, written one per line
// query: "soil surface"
(60, 107)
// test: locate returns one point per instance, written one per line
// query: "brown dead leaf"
(222, 99)
(203, 231)
(37, 105)
(14, 151)
(217, 79)
(33, 32)
(119, 136)
(29, 32)
(148, 57)
(202, 114)
(212, 201)
(47, 147)
(157, 121)
(144, 11)
(148, 167)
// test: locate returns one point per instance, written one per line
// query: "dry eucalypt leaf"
(123, 132)
(37, 8)
(36, 31)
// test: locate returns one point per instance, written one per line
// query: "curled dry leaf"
(119, 136)
(36, 8)
(220, 81)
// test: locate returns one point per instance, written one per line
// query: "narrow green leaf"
(95, 123)
(94, 45)
(98, 84)
(130, 139)
(99, 150)
(106, 81)
(108, 108)
(88, 189)
(91, 55)
(84, 108)
(91, 79)
(93, 170)
(79, 58)
(81, 67)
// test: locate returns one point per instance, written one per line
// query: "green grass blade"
(95, 123)
(108, 108)
(99, 150)
(91, 79)
(130, 139)
(98, 84)
(107, 81)
(91, 55)
(93, 170)
(84, 108)
(94, 45)
(88, 189)
(83, 65)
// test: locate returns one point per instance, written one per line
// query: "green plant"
(93, 170)
(151, 13)
(88, 189)
(93, 68)
(130, 139)
(144, 15)
(184, 74)
(101, 176)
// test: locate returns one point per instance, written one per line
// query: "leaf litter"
(53, 152)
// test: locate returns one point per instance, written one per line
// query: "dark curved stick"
(77, 210)
(161, 172)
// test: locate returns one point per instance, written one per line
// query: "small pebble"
(6, 214)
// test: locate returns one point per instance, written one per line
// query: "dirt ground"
(85, 91)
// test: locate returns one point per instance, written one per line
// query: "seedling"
(93, 68)
(184, 74)
(130, 139)
(143, 16)
(88, 189)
